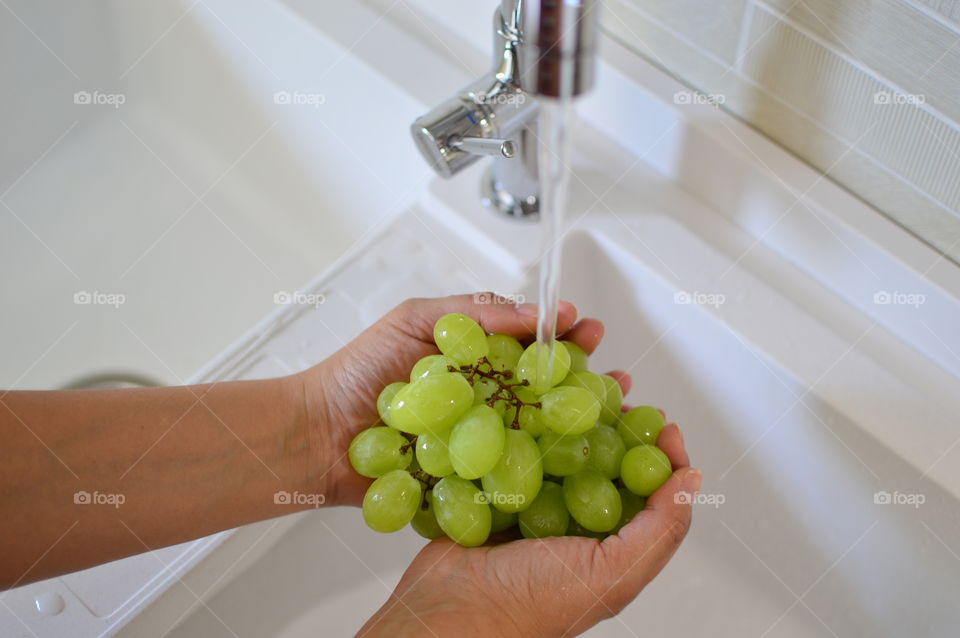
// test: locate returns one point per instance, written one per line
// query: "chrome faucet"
(542, 49)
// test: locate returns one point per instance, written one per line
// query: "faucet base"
(494, 196)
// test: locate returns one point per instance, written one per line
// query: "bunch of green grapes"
(480, 441)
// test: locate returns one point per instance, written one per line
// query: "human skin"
(193, 460)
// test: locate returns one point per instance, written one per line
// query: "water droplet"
(49, 604)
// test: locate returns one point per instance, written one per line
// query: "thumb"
(651, 538)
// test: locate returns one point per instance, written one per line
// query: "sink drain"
(110, 380)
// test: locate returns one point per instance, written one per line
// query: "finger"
(643, 546)
(625, 381)
(494, 314)
(586, 333)
(670, 441)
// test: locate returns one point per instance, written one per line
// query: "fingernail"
(691, 480)
(527, 309)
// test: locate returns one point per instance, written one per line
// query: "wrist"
(303, 447)
(413, 615)
(326, 468)
(292, 444)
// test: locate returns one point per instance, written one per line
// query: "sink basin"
(791, 536)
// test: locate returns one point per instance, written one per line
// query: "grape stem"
(505, 391)
(428, 480)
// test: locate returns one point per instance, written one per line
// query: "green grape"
(386, 398)
(425, 520)
(631, 505)
(610, 410)
(592, 500)
(501, 520)
(551, 476)
(535, 357)
(644, 469)
(433, 453)
(483, 389)
(588, 381)
(461, 511)
(460, 338)
(606, 451)
(504, 352)
(476, 442)
(391, 501)
(578, 358)
(431, 364)
(515, 481)
(530, 420)
(431, 404)
(576, 529)
(563, 455)
(547, 515)
(640, 426)
(568, 410)
(376, 451)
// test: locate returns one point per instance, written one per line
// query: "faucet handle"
(455, 119)
(484, 146)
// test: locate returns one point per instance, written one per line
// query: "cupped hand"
(341, 392)
(528, 587)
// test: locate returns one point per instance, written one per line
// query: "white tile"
(713, 26)
(892, 39)
(843, 100)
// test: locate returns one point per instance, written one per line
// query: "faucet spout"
(542, 49)
(558, 45)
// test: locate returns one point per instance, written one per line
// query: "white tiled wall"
(867, 91)
(947, 8)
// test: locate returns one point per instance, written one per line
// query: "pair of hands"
(529, 587)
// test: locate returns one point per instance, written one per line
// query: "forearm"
(160, 466)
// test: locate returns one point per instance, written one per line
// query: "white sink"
(801, 403)
(797, 476)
